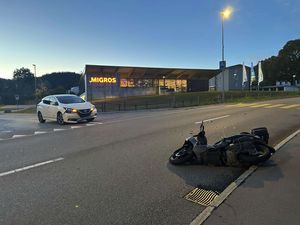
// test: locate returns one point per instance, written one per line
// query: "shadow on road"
(206, 177)
(217, 178)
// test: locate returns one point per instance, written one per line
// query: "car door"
(53, 107)
(44, 107)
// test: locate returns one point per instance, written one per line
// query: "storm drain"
(201, 196)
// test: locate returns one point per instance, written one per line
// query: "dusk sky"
(64, 35)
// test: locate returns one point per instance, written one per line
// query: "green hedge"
(186, 100)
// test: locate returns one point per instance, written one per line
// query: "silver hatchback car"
(65, 108)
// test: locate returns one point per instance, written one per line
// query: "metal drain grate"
(201, 196)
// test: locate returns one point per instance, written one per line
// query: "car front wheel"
(60, 119)
(40, 117)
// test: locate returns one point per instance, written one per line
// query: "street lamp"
(225, 15)
(34, 66)
(294, 80)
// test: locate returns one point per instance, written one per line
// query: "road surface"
(115, 170)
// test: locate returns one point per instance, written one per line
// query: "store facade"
(101, 82)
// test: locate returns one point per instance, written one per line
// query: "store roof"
(151, 72)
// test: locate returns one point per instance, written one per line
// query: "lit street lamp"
(294, 80)
(225, 14)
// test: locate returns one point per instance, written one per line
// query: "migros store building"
(101, 82)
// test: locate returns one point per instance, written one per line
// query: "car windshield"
(69, 99)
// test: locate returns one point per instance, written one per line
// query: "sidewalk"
(15, 108)
(270, 196)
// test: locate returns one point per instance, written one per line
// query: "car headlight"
(93, 108)
(70, 110)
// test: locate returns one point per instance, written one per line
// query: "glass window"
(69, 99)
(123, 83)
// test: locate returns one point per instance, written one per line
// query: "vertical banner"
(260, 74)
(245, 77)
(253, 79)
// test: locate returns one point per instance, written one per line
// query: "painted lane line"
(76, 127)
(225, 194)
(274, 106)
(290, 106)
(58, 129)
(19, 135)
(40, 132)
(259, 105)
(212, 119)
(30, 167)
(242, 104)
(95, 123)
(90, 124)
(287, 139)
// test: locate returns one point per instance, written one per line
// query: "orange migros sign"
(101, 80)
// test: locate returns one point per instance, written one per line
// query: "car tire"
(90, 120)
(60, 119)
(41, 118)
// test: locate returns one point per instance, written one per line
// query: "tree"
(22, 73)
(24, 83)
(283, 66)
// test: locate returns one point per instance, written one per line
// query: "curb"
(225, 194)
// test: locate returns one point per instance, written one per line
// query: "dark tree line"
(23, 84)
(283, 66)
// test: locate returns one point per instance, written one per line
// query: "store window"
(176, 85)
(141, 83)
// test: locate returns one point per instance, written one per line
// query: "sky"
(65, 35)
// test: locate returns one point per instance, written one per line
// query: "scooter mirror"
(201, 126)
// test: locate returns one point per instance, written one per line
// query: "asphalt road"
(116, 170)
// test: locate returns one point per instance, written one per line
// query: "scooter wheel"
(263, 155)
(180, 156)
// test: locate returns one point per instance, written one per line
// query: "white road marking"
(6, 131)
(95, 123)
(212, 119)
(90, 124)
(30, 167)
(39, 132)
(58, 129)
(19, 135)
(224, 195)
(75, 127)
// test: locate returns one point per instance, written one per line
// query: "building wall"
(96, 89)
(233, 77)
(197, 85)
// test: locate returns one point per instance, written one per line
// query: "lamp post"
(225, 14)
(294, 80)
(34, 66)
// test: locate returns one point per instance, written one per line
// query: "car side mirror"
(54, 103)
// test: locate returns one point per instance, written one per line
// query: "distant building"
(101, 82)
(282, 86)
(233, 79)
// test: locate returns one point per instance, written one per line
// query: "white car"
(65, 108)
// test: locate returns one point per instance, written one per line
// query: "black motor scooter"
(243, 149)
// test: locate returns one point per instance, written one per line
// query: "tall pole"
(34, 66)
(223, 82)
(225, 14)
(223, 38)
